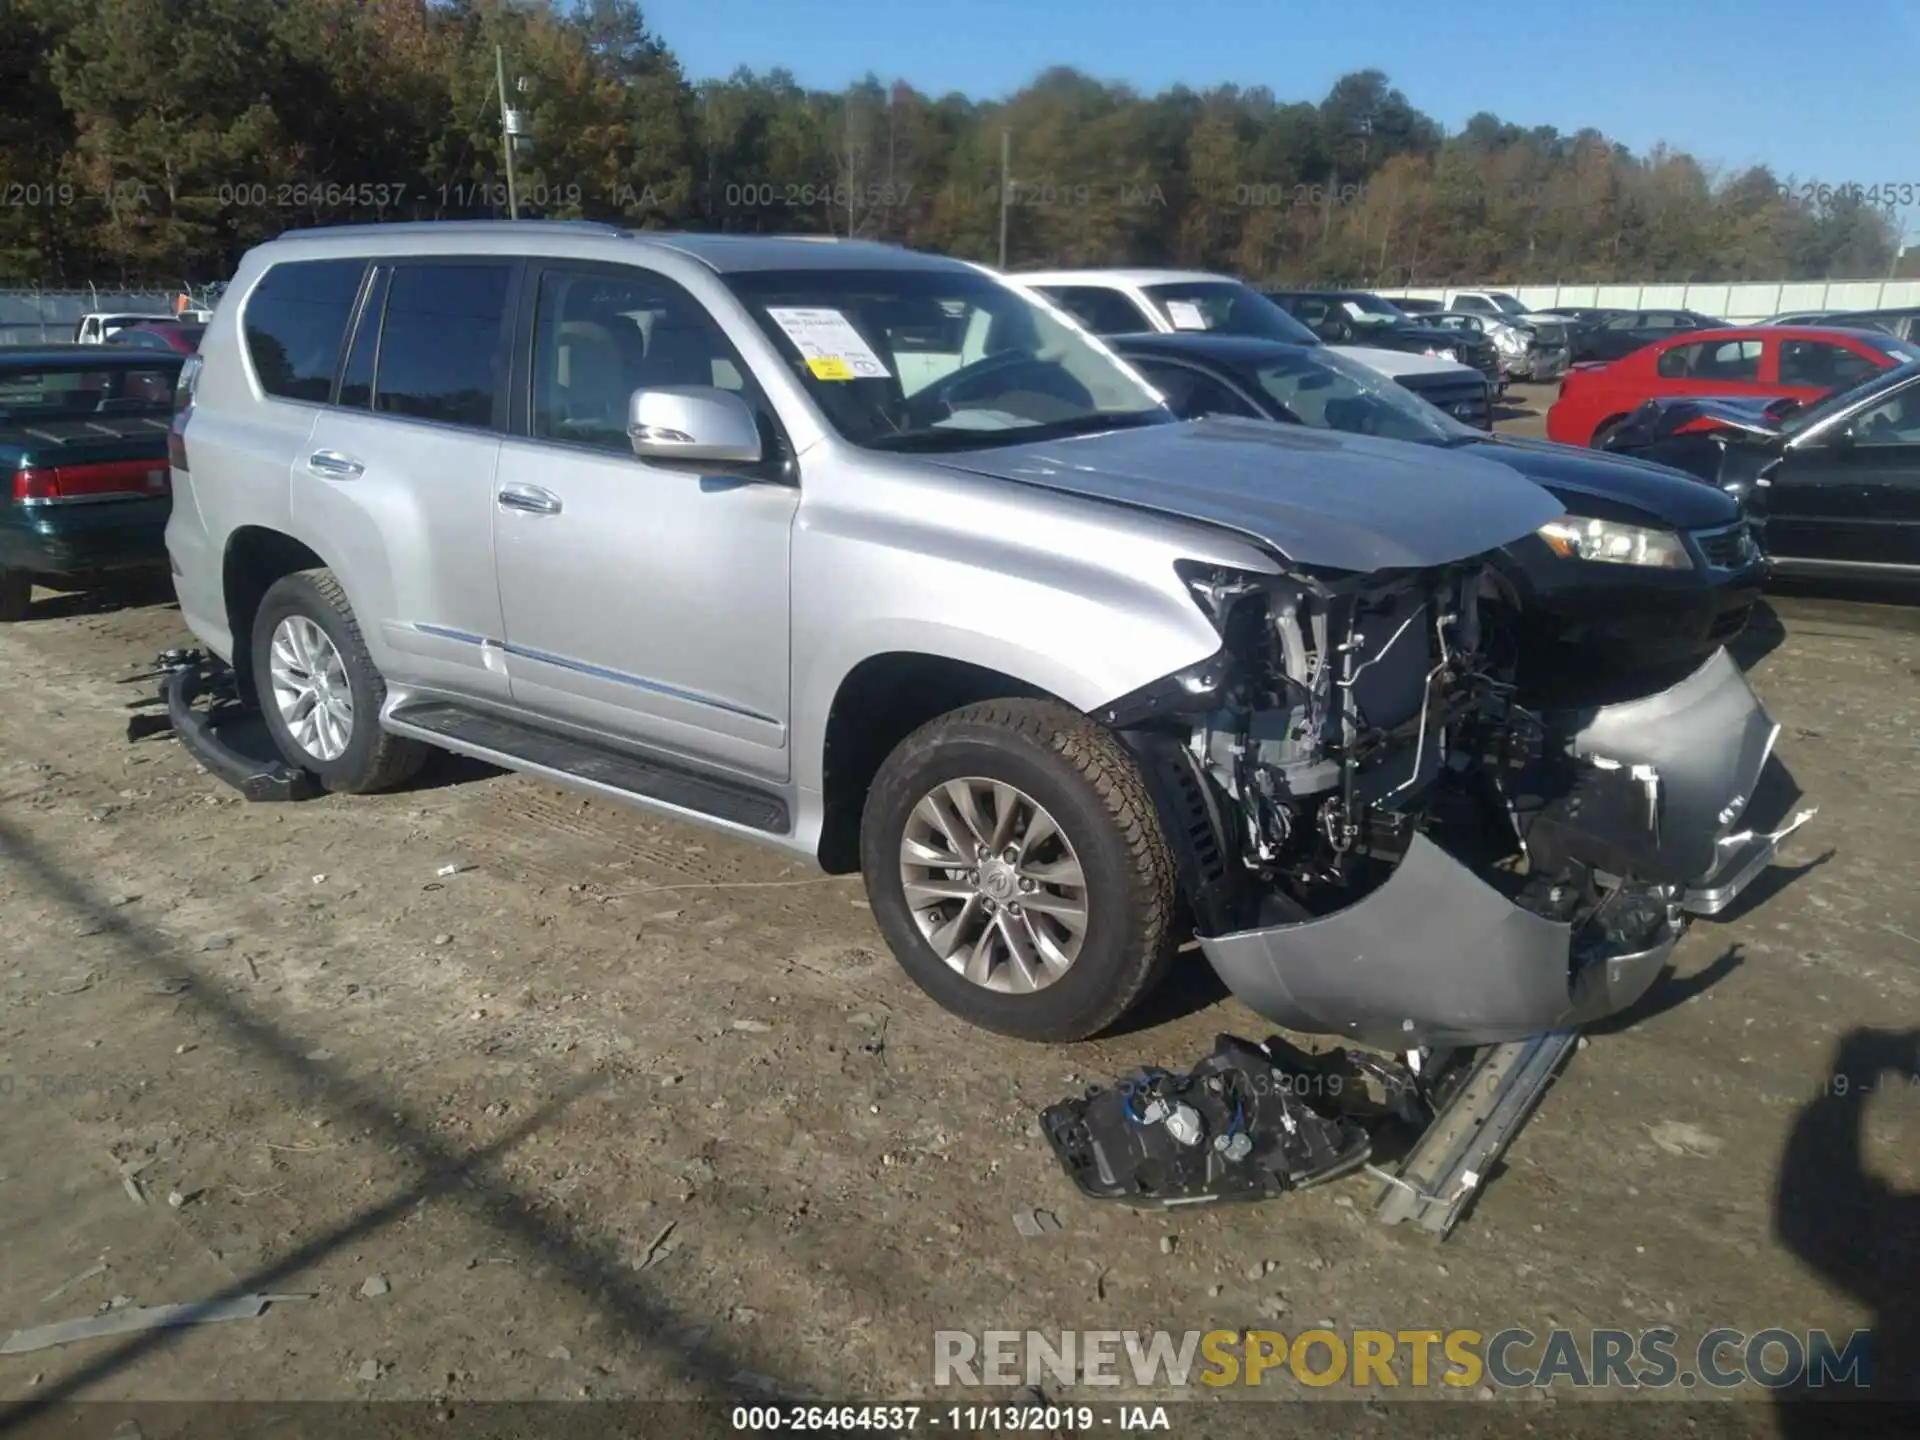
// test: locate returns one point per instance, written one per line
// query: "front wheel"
(319, 690)
(1016, 865)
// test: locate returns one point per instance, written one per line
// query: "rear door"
(398, 477)
(1852, 499)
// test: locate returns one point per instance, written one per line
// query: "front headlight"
(1509, 340)
(1444, 352)
(1573, 537)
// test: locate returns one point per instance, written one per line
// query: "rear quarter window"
(294, 323)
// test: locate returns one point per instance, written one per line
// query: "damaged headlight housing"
(1574, 537)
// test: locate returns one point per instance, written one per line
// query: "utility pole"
(507, 126)
(1006, 190)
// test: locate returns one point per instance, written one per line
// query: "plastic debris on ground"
(1249, 1122)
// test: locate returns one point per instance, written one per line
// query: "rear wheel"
(16, 594)
(319, 690)
(1016, 865)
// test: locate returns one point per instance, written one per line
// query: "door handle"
(332, 465)
(529, 499)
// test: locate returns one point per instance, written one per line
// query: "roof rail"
(398, 227)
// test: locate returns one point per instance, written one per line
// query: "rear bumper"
(1437, 956)
(80, 539)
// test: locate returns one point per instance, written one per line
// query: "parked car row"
(1128, 302)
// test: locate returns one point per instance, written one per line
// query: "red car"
(1765, 362)
(173, 335)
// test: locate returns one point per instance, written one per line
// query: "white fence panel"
(1740, 303)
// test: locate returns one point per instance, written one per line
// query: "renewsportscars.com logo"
(1513, 1358)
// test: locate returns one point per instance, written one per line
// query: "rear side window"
(441, 353)
(1712, 360)
(295, 320)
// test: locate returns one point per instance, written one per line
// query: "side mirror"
(693, 422)
(1845, 437)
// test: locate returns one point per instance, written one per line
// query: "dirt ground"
(622, 1109)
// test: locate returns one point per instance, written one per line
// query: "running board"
(515, 745)
(1444, 1171)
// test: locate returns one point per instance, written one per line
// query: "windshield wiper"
(959, 438)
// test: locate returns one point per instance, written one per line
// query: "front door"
(1852, 499)
(644, 602)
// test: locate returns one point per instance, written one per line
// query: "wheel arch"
(256, 556)
(878, 703)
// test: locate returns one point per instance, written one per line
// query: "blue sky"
(1831, 95)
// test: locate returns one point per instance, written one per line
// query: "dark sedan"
(1356, 317)
(1648, 566)
(1836, 483)
(83, 457)
(1614, 336)
(177, 336)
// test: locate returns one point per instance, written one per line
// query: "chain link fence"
(49, 317)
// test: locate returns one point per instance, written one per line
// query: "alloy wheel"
(311, 689)
(994, 885)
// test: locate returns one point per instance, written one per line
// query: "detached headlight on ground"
(1575, 538)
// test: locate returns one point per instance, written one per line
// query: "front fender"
(1073, 597)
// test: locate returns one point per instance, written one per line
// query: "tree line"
(154, 141)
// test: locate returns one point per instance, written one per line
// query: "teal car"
(84, 475)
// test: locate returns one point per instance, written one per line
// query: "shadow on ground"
(463, 1177)
(1854, 1229)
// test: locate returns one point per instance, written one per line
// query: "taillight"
(120, 479)
(182, 408)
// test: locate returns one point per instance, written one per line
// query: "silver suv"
(872, 557)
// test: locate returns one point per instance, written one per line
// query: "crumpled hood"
(1318, 497)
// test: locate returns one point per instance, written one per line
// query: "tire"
(370, 759)
(1083, 778)
(16, 594)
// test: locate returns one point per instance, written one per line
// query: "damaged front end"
(1379, 843)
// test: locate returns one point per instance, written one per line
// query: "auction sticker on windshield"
(829, 344)
(1186, 315)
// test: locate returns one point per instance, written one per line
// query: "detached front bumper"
(1437, 956)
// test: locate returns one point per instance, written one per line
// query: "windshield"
(1226, 307)
(1371, 310)
(1330, 391)
(1807, 416)
(1505, 303)
(941, 359)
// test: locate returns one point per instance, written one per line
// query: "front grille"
(1464, 397)
(1728, 548)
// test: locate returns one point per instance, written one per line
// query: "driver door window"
(598, 337)
(1894, 421)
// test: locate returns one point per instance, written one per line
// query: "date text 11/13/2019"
(957, 1419)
